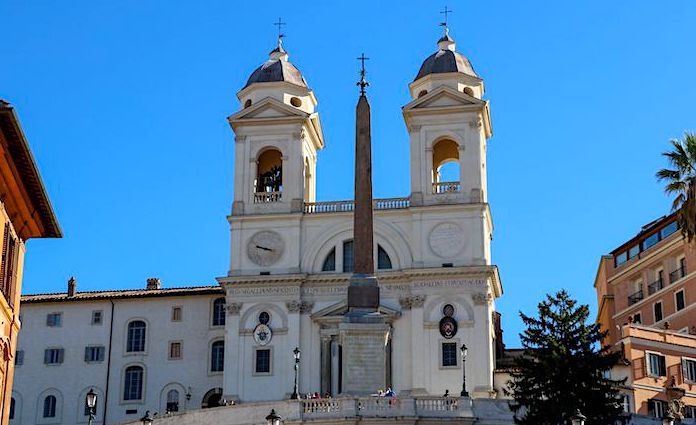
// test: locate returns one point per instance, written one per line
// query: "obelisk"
(364, 332)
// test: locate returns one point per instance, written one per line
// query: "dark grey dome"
(276, 69)
(445, 60)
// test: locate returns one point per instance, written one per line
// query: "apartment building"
(152, 349)
(649, 280)
(646, 293)
(25, 213)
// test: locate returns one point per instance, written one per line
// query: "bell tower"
(448, 125)
(277, 136)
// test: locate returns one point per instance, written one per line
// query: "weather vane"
(280, 24)
(363, 82)
(445, 12)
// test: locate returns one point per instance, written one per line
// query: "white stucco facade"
(70, 379)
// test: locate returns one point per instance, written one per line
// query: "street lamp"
(668, 419)
(296, 354)
(463, 349)
(147, 419)
(578, 418)
(273, 418)
(91, 404)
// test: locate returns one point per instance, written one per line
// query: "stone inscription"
(252, 292)
(364, 369)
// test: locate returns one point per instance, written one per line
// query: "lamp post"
(91, 404)
(668, 419)
(273, 418)
(463, 350)
(147, 419)
(296, 354)
(578, 418)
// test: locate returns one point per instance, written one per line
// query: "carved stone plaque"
(447, 240)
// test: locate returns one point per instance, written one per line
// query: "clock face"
(265, 248)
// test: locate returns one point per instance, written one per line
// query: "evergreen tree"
(562, 369)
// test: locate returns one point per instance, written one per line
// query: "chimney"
(153, 283)
(72, 284)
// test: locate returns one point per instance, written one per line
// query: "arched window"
(347, 256)
(12, 408)
(212, 398)
(219, 312)
(329, 262)
(49, 406)
(269, 168)
(136, 336)
(172, 401)
(383, 260)
(217, 356)
(446, 167)
(133, 383)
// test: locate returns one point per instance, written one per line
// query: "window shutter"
(9, 279)
(47, 356)
(3, 267)
(100, 354)
(60, 355)
(640, 368)
(87, 354)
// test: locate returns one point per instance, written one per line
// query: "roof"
(276, 70)
(29, 176)
(646, 229)
(122, 294)
(444, 61)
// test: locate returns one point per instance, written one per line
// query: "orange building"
(25, 213)
(646, 293)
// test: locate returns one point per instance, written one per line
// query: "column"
(325, 364)
(231, 378)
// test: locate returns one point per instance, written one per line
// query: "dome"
(276, 69)
(446, 59)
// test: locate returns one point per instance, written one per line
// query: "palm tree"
(681, 181)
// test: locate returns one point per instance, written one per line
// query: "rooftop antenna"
(280, 24)
(363, 82)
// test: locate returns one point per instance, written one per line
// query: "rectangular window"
(449, 354)
(19, 358)
(679, 300)
(626, 403)
(689, 366)
(669, 229)
(633, 251)
(637, 319)
(656, 364)
(175, 350)
(657, 309)
(263, 361)
(620, 259)
(97, 317)
(53, 356)
(656, 408)
(690, 412)
(176, 314)
(651, 240)
(54, 320)
(94, 353)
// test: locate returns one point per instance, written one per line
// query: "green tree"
(680, 181)
(563, 369)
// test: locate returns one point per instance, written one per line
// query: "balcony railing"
(386, 407)
(635, 297)
(446, 187)
(655, 286)
(677, 274)
(266, 197)
(348, 206)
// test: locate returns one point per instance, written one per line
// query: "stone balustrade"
(446, 187)
(266, 197)
(348, 206)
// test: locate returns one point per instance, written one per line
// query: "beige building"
(646, 293)
(25, 213)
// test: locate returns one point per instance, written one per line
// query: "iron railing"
(635, 297)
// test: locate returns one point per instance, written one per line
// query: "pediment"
(339, 309)
(443, 97)
(268, 108)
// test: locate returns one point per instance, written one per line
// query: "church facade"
(291, 257)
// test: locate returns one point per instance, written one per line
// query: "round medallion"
(265, 248)
(262, 334)
(448, 310)
(447, 240)
(448, 327)
(264, 317)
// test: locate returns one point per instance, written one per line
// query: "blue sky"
(124, 105)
